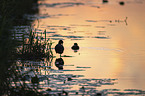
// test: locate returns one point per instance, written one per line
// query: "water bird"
(75, 47)
(59, 47)
(121, 3)
(105, 1)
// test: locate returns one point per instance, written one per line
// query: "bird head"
(60, 42)
(75, 44)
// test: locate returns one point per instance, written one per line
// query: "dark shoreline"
(11, 14)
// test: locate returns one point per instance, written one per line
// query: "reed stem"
(23, 44)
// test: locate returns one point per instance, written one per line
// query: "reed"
(18, 79)
(45, 35)
(34, 48)
(23, 44)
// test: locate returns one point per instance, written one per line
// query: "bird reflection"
(75, 47)
(59, 47)
(59, 63)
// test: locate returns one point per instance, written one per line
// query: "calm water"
(110, 36)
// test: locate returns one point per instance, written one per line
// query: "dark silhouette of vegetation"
(11, 14)
(33, 48)
(12, 11)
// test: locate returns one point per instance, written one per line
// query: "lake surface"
(110, 37)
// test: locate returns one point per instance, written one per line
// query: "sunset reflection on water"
(120, 55)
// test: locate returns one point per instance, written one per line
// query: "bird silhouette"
(75, 47)
(59, 47)
(121, 3)
(105, 1)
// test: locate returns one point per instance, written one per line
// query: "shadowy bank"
(11, 14)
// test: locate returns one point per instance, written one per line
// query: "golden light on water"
(119, 56)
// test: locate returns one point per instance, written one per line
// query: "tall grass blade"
(45, 34)
(23, 44)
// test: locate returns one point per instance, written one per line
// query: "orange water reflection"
(121, 56)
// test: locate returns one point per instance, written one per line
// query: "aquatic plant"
(34, 47)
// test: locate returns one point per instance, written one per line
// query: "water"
(110, 36)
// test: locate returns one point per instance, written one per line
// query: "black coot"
(75, 47)
(59, 47)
